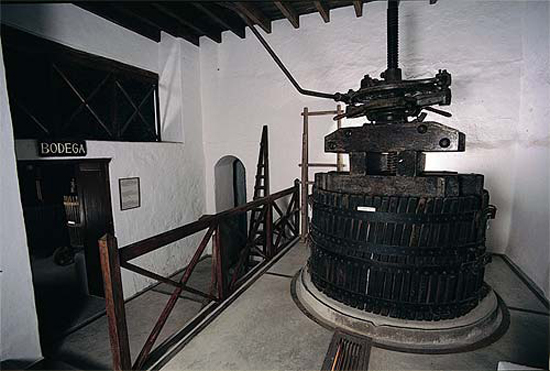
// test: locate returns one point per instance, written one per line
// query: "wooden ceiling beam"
(323, 9)
(289, 12)
(147, 14)
(227, 20)
(188, 20)
(358, 6)
(109, 13)
(251, 12)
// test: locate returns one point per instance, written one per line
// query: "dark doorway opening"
(67, 207)
(230, 191)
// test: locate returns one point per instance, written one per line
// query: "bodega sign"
(61, 148)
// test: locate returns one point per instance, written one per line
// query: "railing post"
(297, 205)
(114, 302)
(220, 279)
(269, 230)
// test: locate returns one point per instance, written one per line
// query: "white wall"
(485, 45)
(18, 323)
(75, 27)
(171, 174)
(529, 236)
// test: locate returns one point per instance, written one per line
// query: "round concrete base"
(483, 325)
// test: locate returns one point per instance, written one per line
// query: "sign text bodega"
(61, 148)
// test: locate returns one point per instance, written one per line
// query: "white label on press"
(368, 209)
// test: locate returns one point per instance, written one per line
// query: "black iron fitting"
(400, 99)
(393, 72)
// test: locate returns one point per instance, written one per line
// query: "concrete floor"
(62, 298)
(264, 330)
(88, 348)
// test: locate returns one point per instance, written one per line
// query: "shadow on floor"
(62, 300)
(88, 348)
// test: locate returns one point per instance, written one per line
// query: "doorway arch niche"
(230, 192)
(229, 183)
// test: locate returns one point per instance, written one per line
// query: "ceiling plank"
(186, 19)
(358, 6)
(109, 13)
(251, 12)
(226, 19)
(148, 14)
(323, 9)
(289, 12)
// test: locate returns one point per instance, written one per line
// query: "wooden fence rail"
(279, 232)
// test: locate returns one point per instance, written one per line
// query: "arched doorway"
(230, 192)
(230, 183)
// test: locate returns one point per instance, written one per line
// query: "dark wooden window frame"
(14, 40)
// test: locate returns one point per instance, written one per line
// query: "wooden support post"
(268, 252)
(219, 264)
(114, 302)
(339, 156)
(297, 208)
(305, 175)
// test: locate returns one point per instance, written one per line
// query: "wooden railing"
(275, 236)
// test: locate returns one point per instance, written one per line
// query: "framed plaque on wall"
(130, 197)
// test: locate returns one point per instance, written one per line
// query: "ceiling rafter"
(106, 11)
(289, 12)
(148, 14)
(189, 20)
(225, 19)
(323, 9)
(358, 6)
(251, 12)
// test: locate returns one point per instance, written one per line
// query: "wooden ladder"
(261, 189)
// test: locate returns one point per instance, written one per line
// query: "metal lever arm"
(312, 93)
(438, 111)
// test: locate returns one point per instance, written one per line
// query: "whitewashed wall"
(171, 173)
(490, 48)
(529, 235)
